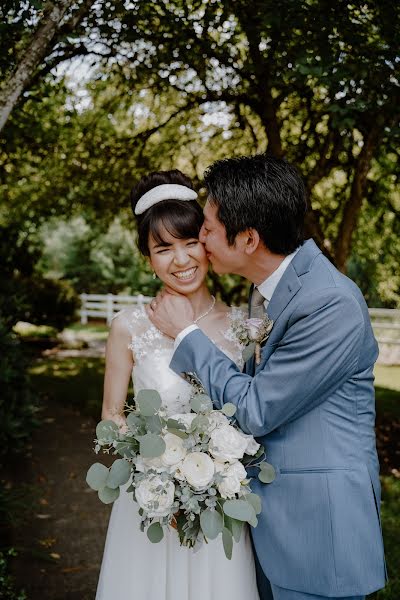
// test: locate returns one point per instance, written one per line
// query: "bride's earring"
(154, 275)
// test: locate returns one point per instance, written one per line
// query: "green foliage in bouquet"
(185, 471)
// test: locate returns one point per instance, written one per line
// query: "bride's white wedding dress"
(135, 569)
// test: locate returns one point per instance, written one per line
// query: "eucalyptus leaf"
(125, 449)
(240, 510)
(134, 421)
(178, 432)
(235, 526)
(155, 533)
(108, 495)
(154, 424)
(107, 431)
(151, 445)
(253, 521)
(248, 352)
(199, 422)
(212, 523)
(267, 473)
(201, 403)
(97, 476)
(175, 424)
(227, 541)
(148, 402)
(119, 473)
(255, 501)
(229, 409)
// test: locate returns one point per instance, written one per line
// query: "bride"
(168, 221)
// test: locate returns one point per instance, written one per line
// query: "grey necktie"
(257, 308)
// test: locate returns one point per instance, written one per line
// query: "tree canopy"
(172, 83)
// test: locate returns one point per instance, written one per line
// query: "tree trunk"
(41, 42)
(353, 205)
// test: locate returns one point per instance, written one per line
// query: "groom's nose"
(202, 235)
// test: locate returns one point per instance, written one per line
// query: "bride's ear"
(252, 240)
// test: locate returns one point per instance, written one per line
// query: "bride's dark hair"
(182, 219)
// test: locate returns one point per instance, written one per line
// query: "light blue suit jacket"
(310, 402)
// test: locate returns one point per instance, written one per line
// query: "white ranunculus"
(233, 475)
(253, 326)
(174, 452)
(226, 444)
(184, 418)
(198, 469)
(252, 446)
(216, 419)
(146, 494)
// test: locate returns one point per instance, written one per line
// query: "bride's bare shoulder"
(131, 319)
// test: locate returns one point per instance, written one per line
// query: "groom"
(309, 401)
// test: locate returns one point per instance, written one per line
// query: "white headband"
(167, 191)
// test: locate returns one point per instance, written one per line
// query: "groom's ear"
(252, 240)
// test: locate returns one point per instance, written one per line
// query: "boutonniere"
(251, 333)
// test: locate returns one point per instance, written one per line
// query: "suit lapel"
(290, 282)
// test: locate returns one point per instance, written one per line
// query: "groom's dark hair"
(261, 192)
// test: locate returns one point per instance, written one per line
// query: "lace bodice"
(152, 353)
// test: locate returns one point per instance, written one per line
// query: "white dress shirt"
(266, 288)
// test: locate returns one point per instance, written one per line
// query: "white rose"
(216, 419)
(252, 446)
(184, 418)
(146, 494)
(198, 469)
(233, 475)
(174, 451)
(253, 326)
(226, 444)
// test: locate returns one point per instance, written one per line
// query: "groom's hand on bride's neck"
(170, 312)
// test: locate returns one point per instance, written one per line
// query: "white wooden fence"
(105, 306)
(385, 321)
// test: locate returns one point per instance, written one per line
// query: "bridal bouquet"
(186, 471)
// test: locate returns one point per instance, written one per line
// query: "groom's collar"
(305, 257)
(267, 287)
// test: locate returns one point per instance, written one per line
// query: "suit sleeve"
(317, 354)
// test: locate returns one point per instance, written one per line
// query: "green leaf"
(240, 510)
(151, 445)
(175, 424)
(255, 501)
(229, 409)
(107, 431)
(178, 432)
(227, 541)
(134, 421)
(155, 533)
(235, 527)
(248, 352)
(108, 495)
(267, 473)
(148, 402)
(97, 476)
(125, 449)
(199, 422)
(201, 403)
(212, 523)
(154, 424)
(119, 473)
